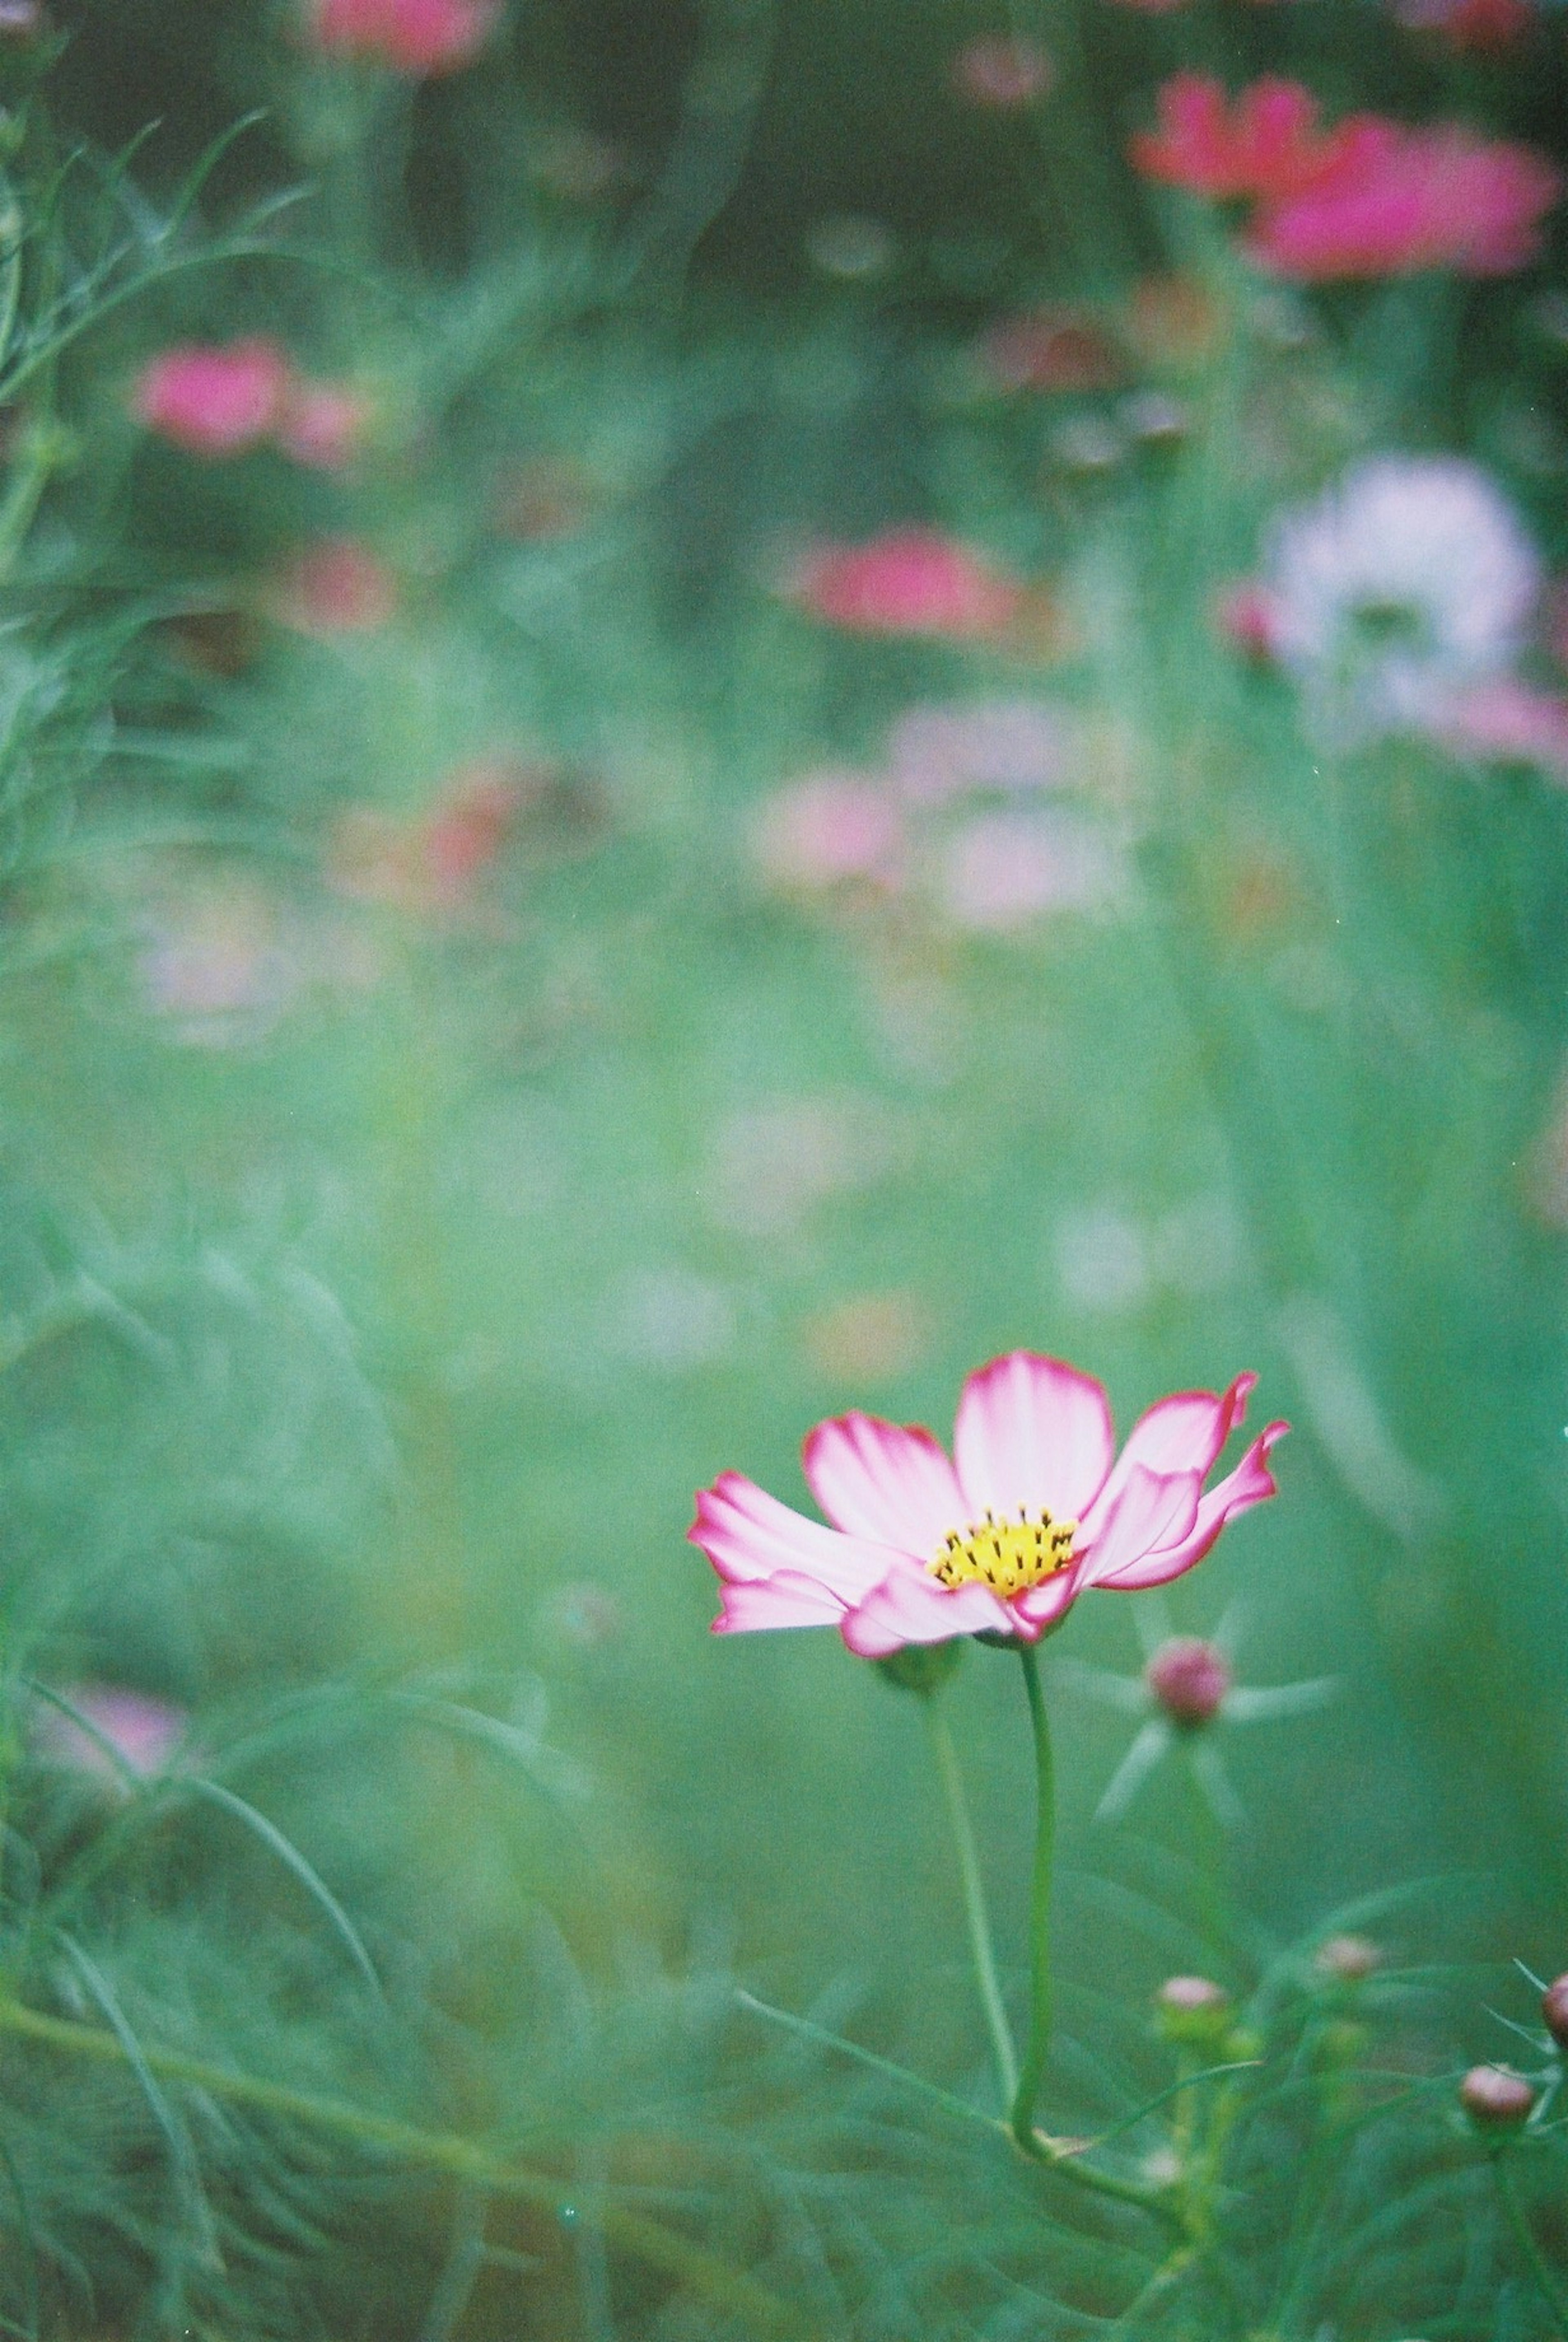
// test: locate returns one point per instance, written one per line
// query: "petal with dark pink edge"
(786, 1600)
(748, 1535)
(1042, 1605)
(885, 1480)
(910, 1606)
(1154, 1509)
(1033, 1432)
(1249, 1484)
(1181, 1433)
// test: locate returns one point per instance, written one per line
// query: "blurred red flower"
(337, 587)
(417, 37)
(1267, 144)
(1488, 26)
(910, 581)
(214, 399)
(323, 424)
(1053, 349)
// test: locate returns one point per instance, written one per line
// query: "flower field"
(784, 1366)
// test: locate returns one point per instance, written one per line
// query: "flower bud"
(1189, 1679)
(1348, 1959)
(1193, 2010)
(1495, 2098)
(923, 1667)
(1555, 2010)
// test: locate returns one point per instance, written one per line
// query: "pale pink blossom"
(910, 581)
(940, 751)
(1035, 1507)
(1001, 71)
(416, 37)
(323, 424)
(830, 829)
(1413, 200)
(214, 399)
(1507, 722)
(141, 1732)
(338, 586)
(1001, 870)
(1247, 616)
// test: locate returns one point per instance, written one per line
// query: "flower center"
(1007, 1556)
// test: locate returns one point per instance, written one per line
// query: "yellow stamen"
(1007, 1556)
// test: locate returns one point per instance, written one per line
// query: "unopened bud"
(1492, 2097)
(1349, 1959)
(1555, 2010)
(1193, 2009)
(1189, 1678)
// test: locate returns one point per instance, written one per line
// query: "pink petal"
(786, 1600)
(909, 1607)
(1184, 1433)
(1033, 1432)
(1249, 1484)
(1042, 1605)
(1153, 1510)
(748, 1535)
(886, 1481)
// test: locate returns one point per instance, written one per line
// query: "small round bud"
(1193, 2010)
(1348, 1959)
(1495, 2098)
(1189, 1679)
(922, 1667)
(1555, 2010)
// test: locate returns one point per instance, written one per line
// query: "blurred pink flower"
(144, 1731)
(1507, 722)
(1267, 144)
(1052, 349)
(910, 581)
(1001, 870)
(830, 829)
(1487, 25)
(214, 399)
(417, 37)
(939, 752)
(1188, 1679)
(431, 864)
(1411, 200)
(337, 587)
(1247, 616)
(1034, 1508)
(1001, 71)
(323, 424)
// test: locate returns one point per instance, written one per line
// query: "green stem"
(981, 1950)
(1534, 2260)
(445, 2151)
(1035, 2055)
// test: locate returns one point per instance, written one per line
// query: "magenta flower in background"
(214, 399)
(1036, 1507)
(144, 1731)
(417, 37)
(1412, 200)
(910, 581)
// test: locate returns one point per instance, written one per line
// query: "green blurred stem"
(981, 1949)
(461, 2158)
(1035, 2055)
(1547, 2285)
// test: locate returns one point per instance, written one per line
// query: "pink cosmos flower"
(1267, 144)
(909, 581)
(417, 37)
(214, 399)
(144, 1731)
(1410, 200)
(1505, 722)
(831, 828)
(1035, 1507)
(1001, 71)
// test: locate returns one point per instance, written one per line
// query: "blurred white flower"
(1408, 578)
(672, 1320)
(1002, 870)
(936, 751)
